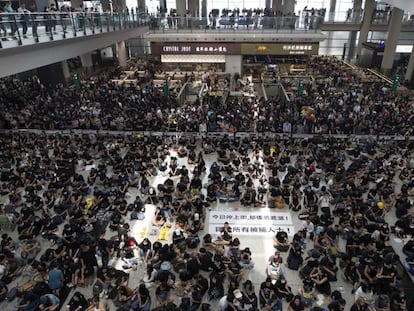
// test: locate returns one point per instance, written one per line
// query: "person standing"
(24, 18)
(9, 10)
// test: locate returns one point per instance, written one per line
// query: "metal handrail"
(30, 27)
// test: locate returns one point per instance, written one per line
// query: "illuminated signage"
(262, 48)
(176, 48)
(403, 49)
(195, 48)
(280, 48)
(209, 48)
(297, 49)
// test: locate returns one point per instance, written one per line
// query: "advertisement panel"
(280, 48)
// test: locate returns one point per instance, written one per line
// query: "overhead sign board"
(201, 48)
(280, 49)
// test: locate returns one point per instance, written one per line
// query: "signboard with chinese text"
(201, 48)
(280, 49)
(257, 223)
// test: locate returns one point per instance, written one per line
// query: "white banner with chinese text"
(261, 222)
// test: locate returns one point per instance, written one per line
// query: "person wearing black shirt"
(281, 242)
(321, 282)
(226, 234)
(269, 299)
(205, 259)
(141, 299)
(87, 260)
(328, 265)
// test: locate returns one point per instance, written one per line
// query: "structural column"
(87, 62)
(141, 6)
(121, 53)
(76, 4)
(106, 6)
(394, 30)
(277, 6)
(194, 8)
(332, 9)
(119, 5)
(356, 10)
(366, 23)
(268, 3)
(204, 9)
(410, 67)
(65, 69)
(163, 6)
(288, 7)
(181, 8)
(351, 45)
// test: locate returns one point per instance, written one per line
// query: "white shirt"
(310, 227)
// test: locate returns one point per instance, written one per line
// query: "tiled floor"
(261, 244)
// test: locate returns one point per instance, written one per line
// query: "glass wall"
(341, 5)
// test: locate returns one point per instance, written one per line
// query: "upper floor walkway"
(28, 29)
(304, 23)
(38, 39)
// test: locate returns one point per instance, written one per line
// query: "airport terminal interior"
(183, 155)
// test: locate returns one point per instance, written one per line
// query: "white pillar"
(410, 67)
(65, 69)
(141, 6)
(121, 53)
(277, 5)
(394, 30)
(181, 7)
(86, 60)
(234, 64)
(289, 7)
(332, 9)
(194, 8)
(366, 24)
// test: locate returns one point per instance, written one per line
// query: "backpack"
(12, 294)
(294, 262)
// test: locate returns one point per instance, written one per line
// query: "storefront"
(244, 58)
(261, 57)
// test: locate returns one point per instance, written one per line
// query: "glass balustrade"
(303, 22)
(21, 29)
(230, 23)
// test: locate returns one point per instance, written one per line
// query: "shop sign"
(280, 49)
(195, 48)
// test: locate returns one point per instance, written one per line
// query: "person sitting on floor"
(281, 241)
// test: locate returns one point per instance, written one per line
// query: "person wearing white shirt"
(365, 292)
(309, 227)
(287, 127)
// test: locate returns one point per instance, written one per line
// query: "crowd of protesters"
(73, 193)
(341, 101)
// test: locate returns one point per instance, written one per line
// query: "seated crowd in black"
(73, 190)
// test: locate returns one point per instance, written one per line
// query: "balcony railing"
(304, 22)
(21, 29)
(230, 23)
